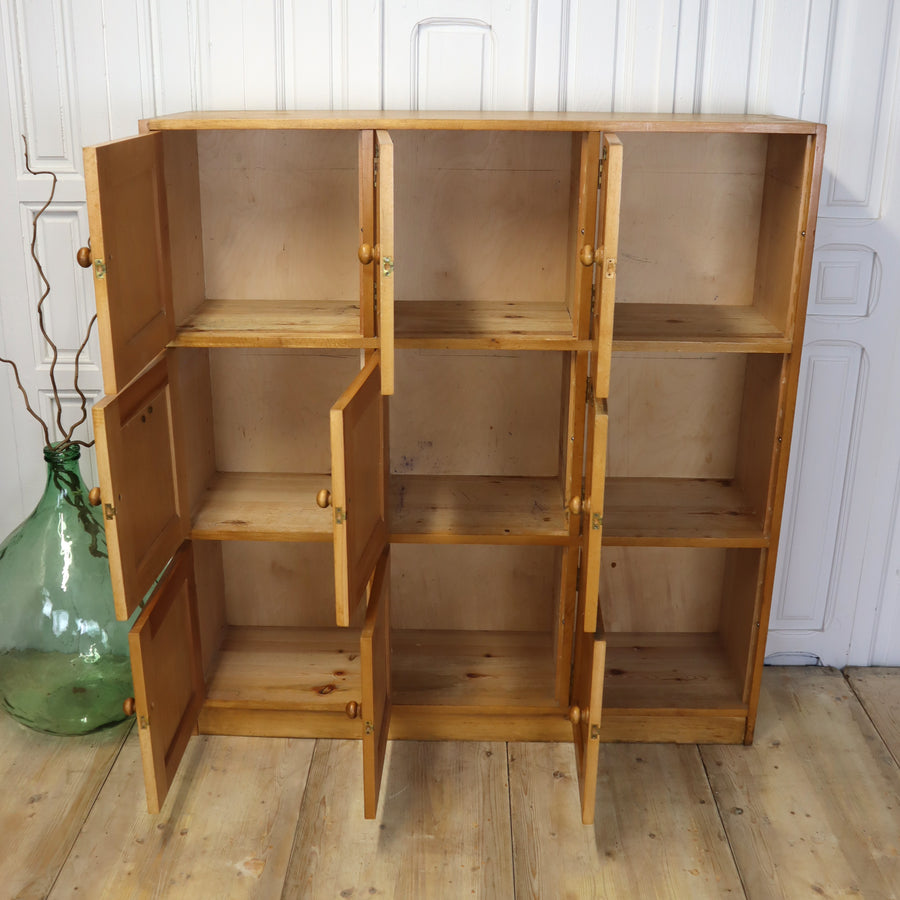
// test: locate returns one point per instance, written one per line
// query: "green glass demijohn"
(64, 664)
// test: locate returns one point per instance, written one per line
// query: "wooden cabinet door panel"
(143, 498)
(607, 259)
(126, 200)
(358, 494)
(587, 700)
(375, 662)
(168, 675)
(384, 237)
(592, 525)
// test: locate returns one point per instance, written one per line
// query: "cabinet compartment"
(257, 424)
(473, 625)
(680, 629)
(500, 212)
(711, 240)
(476, 444)
(693, 442)
(265, 233)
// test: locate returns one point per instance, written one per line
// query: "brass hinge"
(339, 515)
(593, 301)
(596, 522)
(370, 728)
(611, 267)
(109, 510)
(595, 732)
(387, 266)
(99, 269)
(143, 722)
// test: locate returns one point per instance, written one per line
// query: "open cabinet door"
(126, 200)
(168, 675)
(358, 487)
(375, 664)
(607, 255)
(384, 237)
(144, 507)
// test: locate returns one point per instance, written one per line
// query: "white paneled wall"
(85, 71)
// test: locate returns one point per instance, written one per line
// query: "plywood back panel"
(278, 584)
(482, 215)
(652, 589)
(280, 214)
(474, 587)
(477, 413)
(690, 217)
(674, 417)
(270, 407)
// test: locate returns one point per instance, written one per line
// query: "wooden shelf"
(315, 669)
(499, 669)
(698, 328)
(273, 323)
(456, 509)
(679, 512)
(318, 669)
(261, 506)
(664, 671)
(481, 324)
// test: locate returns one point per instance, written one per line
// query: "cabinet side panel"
(194, 424)
(741, 600)
(210, 577)
(185, 228)
(781, 244)
(760, 430)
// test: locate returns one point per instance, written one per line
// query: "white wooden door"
(82, 73)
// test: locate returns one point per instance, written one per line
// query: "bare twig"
(71, 431)
(25, 395)
(45, 294)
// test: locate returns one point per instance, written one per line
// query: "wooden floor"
(812, 809)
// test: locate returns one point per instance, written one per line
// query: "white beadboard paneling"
(362, 54)
(70, 303)
(308, 54)
(727, 42)
(550, 47)
(647, 56)
(239, 54)
(174, 55)
(831, 384)
(41, 64)
(592, 54)
(862, 80)
(845, 280)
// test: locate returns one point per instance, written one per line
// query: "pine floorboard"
(811, 809)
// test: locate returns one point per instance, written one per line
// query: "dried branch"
(45, 294)
(67, 439)
(25, 395)
(71, 431)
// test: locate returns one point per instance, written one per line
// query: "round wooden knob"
(575, 715)
(94, 496)
(365, 253)
(128, 706)
(575, 505)
(323, 498)
(352, 709)
(586, 255)
(83, 257)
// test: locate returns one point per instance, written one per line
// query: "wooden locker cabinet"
(448, 426)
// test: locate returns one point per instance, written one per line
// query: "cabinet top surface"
(474, 120)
